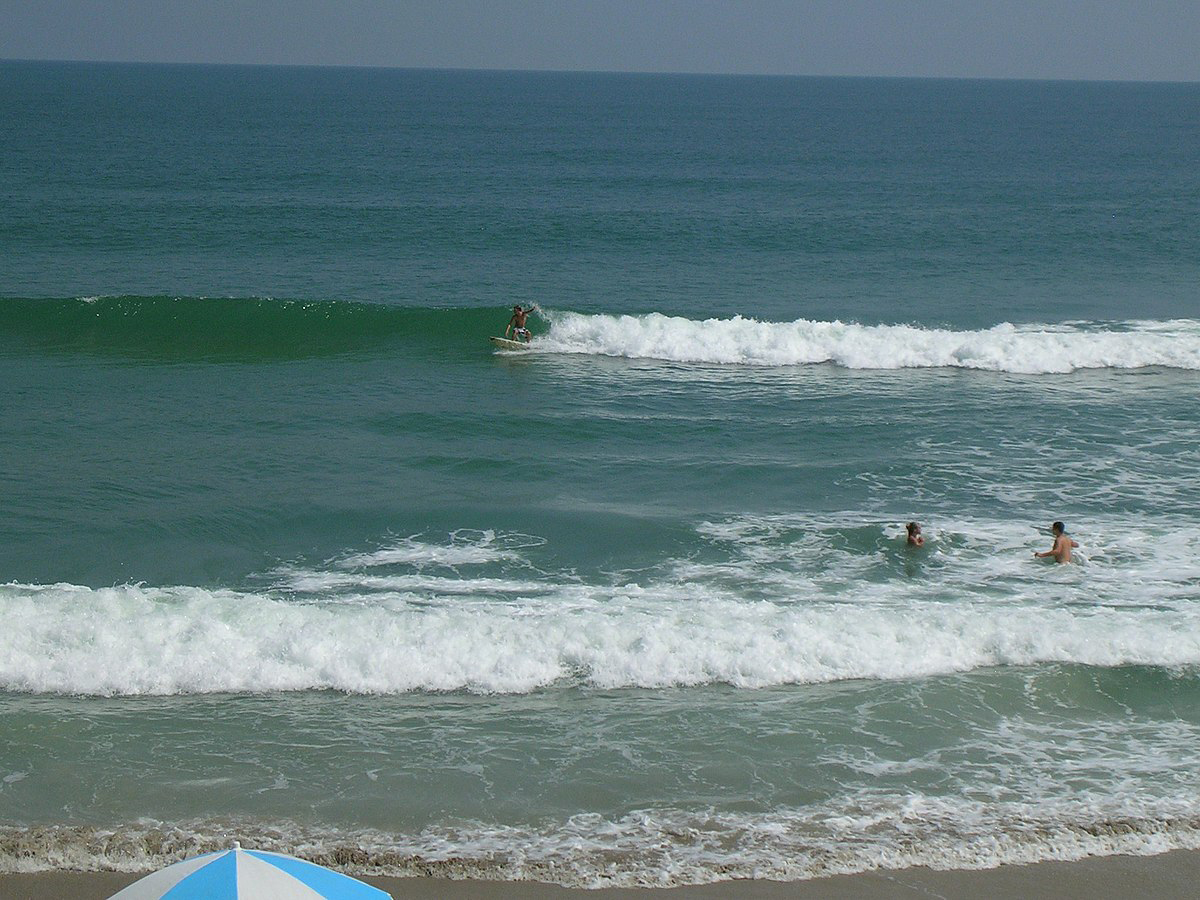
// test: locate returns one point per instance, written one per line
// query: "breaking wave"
(263, 329)
(1024, 349)
(757, 608)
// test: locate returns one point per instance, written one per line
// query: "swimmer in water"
(915, 538)
(1063, 544)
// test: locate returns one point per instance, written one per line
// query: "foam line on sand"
(1168, 876)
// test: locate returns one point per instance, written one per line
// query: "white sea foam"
(658, 847)
(1025, 349)
(464, 547)
(771, 601)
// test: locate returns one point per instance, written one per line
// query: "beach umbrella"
(239, 874)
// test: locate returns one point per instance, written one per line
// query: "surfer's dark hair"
(1059, 527)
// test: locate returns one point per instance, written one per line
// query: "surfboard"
(506, 344)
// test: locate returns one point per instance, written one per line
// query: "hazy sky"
(1109, 39)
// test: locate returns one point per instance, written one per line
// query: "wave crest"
(1029, 349)
(760, 608)
(254, 328)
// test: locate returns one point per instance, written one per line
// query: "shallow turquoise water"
(291, 552)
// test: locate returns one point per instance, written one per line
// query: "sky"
(1152, 40)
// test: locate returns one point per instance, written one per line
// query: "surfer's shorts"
(520, 332)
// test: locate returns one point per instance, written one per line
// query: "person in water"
(517, 324)
(915, 538)
(1063, 544)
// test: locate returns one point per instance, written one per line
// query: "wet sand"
(1169, 876)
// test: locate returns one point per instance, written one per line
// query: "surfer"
(517, 324)
(1061, 551)
(915, 538)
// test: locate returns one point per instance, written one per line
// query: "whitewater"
(471, 612)
(1032, 349)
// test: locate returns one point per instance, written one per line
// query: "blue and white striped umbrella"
(239, 874)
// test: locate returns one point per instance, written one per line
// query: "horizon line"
(552, 71)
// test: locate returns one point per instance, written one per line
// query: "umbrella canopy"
(239, 874)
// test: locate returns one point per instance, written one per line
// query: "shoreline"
(1167, 876)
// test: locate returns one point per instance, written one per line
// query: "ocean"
(290, 554)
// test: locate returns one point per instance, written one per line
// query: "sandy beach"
(1166, 877)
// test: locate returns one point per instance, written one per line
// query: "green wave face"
(234, 328)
